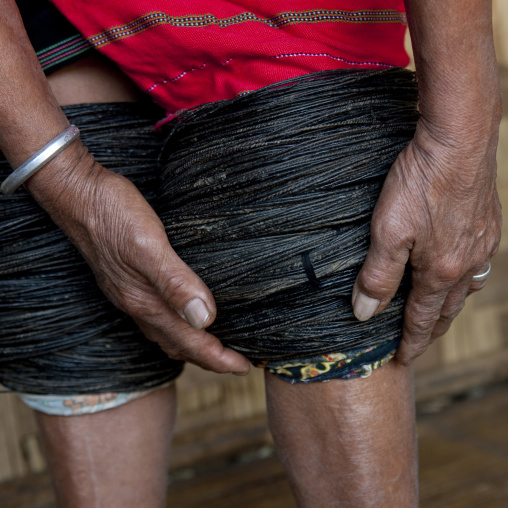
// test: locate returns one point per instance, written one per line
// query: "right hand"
(439, 211)
(125, 244)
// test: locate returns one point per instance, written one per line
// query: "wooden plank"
(502, 153)
(25, 420)
(213, 398)
(257, 484)
(503, 318)
(478, 328)
(243, 396)
(463, 464)
(464, 453)
(430, 360)
(457, 344)
(30, 491)
(5, 463)
(461, 377)
(194, 376)
(219, 442)
(487, 330)
(12, 463)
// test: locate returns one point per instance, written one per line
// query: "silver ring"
(482, 276)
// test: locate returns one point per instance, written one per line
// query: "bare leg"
(348, 443)
(116, 458)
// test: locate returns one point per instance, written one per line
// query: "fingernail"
(196, 313)
(365, 307)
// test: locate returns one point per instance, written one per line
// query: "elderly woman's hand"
(440, 211)
(106, 217)
(125, 244)
(439, 208)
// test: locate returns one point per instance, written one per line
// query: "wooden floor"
(463, 464)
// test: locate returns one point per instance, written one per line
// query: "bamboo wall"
(220, 414)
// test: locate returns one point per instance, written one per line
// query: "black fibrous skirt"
(268, 197)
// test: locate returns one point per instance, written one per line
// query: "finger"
(177, 284)
(422, 312)
(452, 305)
(473, 285)
(378, 280)
(187, 294)
(182, 342)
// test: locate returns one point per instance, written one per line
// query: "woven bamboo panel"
(20, 451)
(206, 398)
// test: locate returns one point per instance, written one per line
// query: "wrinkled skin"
(439, 209)
(124, 242)
(447, 227)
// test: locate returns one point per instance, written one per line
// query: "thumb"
(187, 294)
(180, 287)
(378, 280)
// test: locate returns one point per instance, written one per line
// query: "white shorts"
(74, 405)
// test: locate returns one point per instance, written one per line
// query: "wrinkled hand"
(124, 242)
(440, 211)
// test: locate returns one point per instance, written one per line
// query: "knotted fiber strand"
(58, 332)
(268, 198)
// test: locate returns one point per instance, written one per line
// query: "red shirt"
(184, 53)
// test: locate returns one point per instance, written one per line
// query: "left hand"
(439, 210)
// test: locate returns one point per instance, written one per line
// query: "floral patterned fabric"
(344, 365)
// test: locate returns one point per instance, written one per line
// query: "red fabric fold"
(186, 53)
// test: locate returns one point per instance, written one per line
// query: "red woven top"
(185, 53)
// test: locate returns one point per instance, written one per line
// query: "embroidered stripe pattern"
(62, 51)
(287, 55)
(281, 20)
(327, 55)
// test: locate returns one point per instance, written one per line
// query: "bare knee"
(349, 442)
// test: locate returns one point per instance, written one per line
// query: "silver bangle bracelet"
(22, 173)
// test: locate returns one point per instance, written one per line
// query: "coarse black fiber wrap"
(58, 332)
(268, 197)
